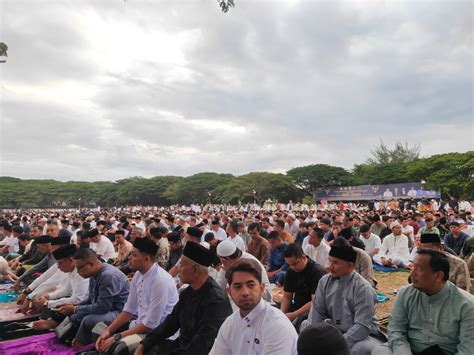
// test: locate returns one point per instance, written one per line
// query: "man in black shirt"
(301, 281)
(199, 313)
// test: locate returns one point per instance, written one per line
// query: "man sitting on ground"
(256, 328)
(199, 313)
(277, 267)
(229, 254)
(317, 249)
(458, 270)
(432, 315)
(73, 290)
(301, 281)
(346, 300)
(102, 245)
(152, 297)
(394, 251)
(108, 292)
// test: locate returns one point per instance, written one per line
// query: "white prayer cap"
(226, 248)
(3, 266)
(394, 224)
(292, 215)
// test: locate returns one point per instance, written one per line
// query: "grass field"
(387, 282)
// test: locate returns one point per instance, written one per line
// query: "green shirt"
(418, 321)
(432, 230)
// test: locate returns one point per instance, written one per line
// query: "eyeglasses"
(82, 266)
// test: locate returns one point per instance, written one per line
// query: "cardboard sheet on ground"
(39, 345)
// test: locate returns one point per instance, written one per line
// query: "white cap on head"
(226, 248)
(3, 266)
(394, 224)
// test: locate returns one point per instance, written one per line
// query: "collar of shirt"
(253, 315)
(147, 274)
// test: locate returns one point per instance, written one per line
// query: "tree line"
(452, 173)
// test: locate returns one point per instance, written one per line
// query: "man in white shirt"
(229, 254)
(256, 327)
(232, 231)
(73, 290)
(291, 224)
(408, 230)
(102, 245)
(394, 251)
(152, 296)
(370, 240)
(219, 233)
(317, 250)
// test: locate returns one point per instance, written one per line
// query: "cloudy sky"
(107, 89)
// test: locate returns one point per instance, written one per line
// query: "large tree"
(452, 173)
(401, 153)
(258, 186)
(311, 178)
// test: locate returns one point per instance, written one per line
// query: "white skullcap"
(394, 224)
(292, 215)
(3, 266)
(226, 248)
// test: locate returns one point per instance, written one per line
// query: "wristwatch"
(117, 336)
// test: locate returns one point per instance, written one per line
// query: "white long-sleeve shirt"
(152, 297)
(47, 282)
(318, 254)
(264, 331)
(395, 246)
(104, 248)
(239, 242)
(73, 290)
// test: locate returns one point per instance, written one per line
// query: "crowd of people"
(201, 279)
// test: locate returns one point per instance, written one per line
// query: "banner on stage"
(376, 192)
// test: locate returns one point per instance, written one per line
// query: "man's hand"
(107, 344)
(102, 338)
(16, 285)
(75, 343)
(291, 316)
(140, 350)
(67, 309)
(40, 302)
(20, 299)
(25, 306)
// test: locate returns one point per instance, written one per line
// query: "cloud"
(106, 90)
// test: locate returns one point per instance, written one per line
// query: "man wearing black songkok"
(458, 270)
(199, 313)
(346, 300)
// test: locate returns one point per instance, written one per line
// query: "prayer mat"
(17, 330)
(387, 269)
(8, 305)
(5, 285)
(8, 296)
(40, 345)
(11, 314)
(382, 298)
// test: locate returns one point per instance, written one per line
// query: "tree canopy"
(452, 173)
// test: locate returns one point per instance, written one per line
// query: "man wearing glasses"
(108, 292)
